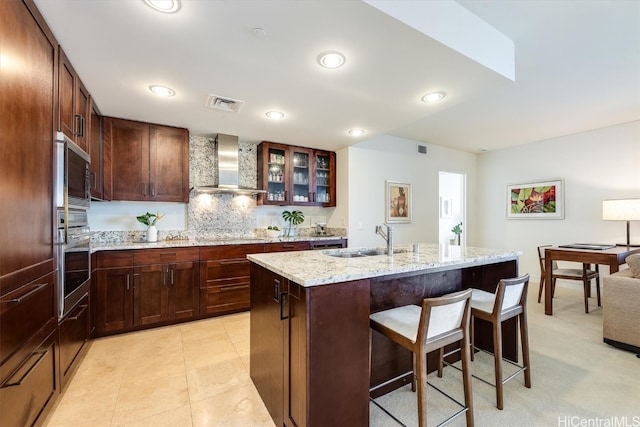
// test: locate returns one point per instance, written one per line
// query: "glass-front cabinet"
(325, 179)
(293, 175)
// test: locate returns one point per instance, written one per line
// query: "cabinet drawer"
(223, 269)
(230, 251)
(225, 297)
(287, 246)
(161, 256)
(74, 332)
(24, 312)
(30, 388)
(114, 259)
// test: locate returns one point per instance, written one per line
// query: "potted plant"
(457, 230)
(273, 231)
(150, 220)
(293, 218)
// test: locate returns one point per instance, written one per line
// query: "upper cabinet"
(293, 175)
(99, 160)
(148, 162)
(74, 103)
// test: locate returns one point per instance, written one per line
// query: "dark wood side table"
(612, 257)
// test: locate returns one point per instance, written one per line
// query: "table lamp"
(621, 210)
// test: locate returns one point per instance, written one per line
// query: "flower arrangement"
(150, 219)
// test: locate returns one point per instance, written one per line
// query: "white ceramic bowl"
(273, 233)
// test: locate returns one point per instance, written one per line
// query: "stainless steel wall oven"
(74, 258)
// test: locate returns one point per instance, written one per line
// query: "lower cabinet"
(224, 278)
(74, 332)
(28, 353)
(309, 352)
(136, 289)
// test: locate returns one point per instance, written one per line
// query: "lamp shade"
(621, 210)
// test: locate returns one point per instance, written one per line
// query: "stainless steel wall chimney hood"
(228, 171)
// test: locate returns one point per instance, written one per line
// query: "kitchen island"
(310, 323)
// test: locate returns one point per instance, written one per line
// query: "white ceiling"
(577, 68)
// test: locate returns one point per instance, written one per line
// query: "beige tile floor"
(193, 374)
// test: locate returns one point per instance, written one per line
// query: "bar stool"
(510, 300)
(439, 322)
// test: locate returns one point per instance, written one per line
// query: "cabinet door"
(26, 158)
(95, 144)
(273, 174)
(183, 290)
(81, 116)
(169, 164)
(267, 339)
(66, 95)
(150, 294)
(302, 177)
(74, 333)
(129, 159)
(324, 170)
(114, 300)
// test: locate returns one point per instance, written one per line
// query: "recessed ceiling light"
(162, 91)
(331, 59)
(356, 132)
(259, 33)
(166, 6)
(275, 115)
(433, 96)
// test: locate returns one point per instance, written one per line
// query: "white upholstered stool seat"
(510, 300)
(439, 322)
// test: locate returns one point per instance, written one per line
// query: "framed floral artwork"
(536, 200)
(398, 202)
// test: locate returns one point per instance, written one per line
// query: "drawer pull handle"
(41, 355)
(240, 261)
(77, 316)
(232, 287)
(25, 296)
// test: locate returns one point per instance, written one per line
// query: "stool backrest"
(511, 293)
(444, 314)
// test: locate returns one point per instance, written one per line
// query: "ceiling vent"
(224, 104)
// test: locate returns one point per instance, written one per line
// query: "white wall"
(385, 157)
(595, 165)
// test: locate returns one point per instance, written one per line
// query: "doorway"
(451, 189)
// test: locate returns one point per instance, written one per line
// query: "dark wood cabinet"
(28, 286)
(113, 299)
(148, 162)
(301, 340)
(287, 246)
(74, 332)
(74, 103)
(224, 278)
(143, 288)
(100, 156)
(293, 175)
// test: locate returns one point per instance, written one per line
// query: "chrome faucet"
(387, 236)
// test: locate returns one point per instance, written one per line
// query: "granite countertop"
(124, 245)
(312, 268)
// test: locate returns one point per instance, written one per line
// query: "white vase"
(152, 234)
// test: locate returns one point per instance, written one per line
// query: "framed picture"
(445, 207)
(536, 200)
(398, 202)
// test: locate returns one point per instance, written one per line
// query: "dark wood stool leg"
(524, 339)
(497, 355)
(466, 379)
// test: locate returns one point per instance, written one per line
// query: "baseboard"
(622, 345)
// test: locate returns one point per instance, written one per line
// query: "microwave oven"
(73, 190)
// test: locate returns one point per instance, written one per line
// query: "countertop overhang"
(312, 268)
